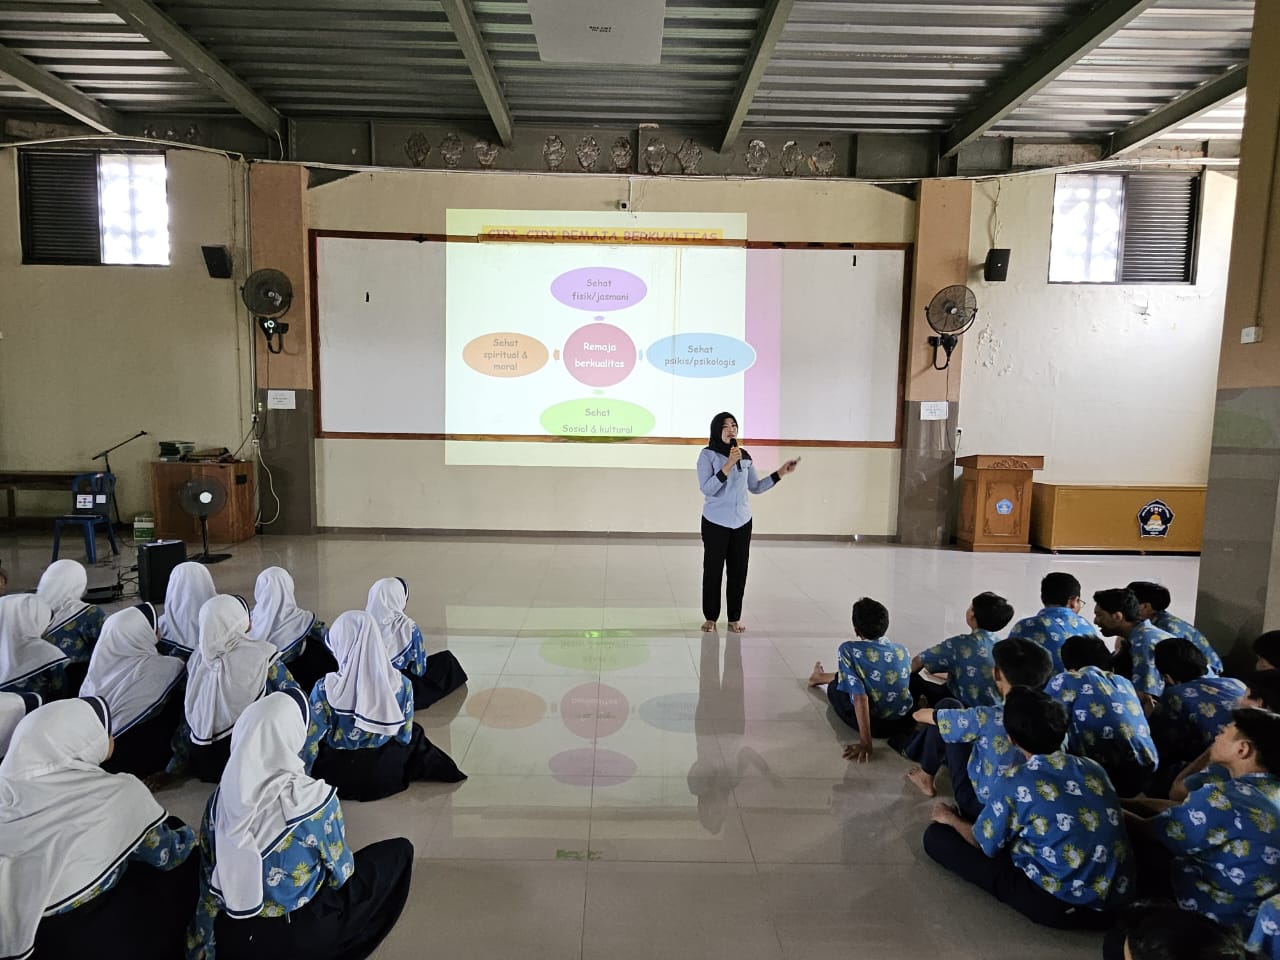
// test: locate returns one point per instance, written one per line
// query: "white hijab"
(265, 790)
(276, 617)
(65, 823)
(61, 586)
(13, 707)
(387, 600)
(125, 669)
(366, 685)
(227, 673)
(190, 588)
(24, 652)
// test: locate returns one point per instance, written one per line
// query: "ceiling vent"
(599, 31)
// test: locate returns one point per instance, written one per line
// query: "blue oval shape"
(598, 289)
(701, 355)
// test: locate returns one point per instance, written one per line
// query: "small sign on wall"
(282, 400)
(934, 410)
(1154, 519)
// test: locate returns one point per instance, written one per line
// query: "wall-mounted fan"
(203, 497)
(951, 312)
(268, 294)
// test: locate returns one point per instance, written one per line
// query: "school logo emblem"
(1004, 507)
(1154, 519)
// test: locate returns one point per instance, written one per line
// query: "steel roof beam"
(1076, 41)
(57, 93)
(772, 20)
(163, 32)
(1190, 105)
(467, 31)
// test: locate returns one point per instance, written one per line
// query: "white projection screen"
(563, 330)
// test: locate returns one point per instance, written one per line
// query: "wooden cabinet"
(995, 502)
(1076, 517)
(233, 523)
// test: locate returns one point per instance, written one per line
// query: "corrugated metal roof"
(1222, 123)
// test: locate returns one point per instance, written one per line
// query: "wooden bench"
(12, 481)
(1105, 517)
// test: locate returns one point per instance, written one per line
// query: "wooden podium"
(231, 524)
(995, 503)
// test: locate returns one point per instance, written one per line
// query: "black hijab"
(717, 427)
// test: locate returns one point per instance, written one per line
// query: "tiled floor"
(638, 789)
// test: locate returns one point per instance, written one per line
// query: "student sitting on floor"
(13, 707)
(369, 747)
(75, 626)
(1153, 605)
(1116, 614)
(1107, 722)
(1050, 840)
(1158, 930)
(296, 633)
(278, 879)
(28, 662)
(1217, 852)
(1267, 649)
(92, 867)
(1194, 706)
(1265, 938)
(871, 691)
(227, 673)
(971, 742)
(434, 676)
(1060, 618)
(190, 588)
(142, 687)
(965, 659)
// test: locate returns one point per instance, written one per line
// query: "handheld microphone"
(733, 442)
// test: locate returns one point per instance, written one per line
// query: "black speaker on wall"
(997, 266)
(217, 261)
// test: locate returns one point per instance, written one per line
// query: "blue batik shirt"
(1103, 707)
(880, 670)
(1265, 939)
(312, 854)
(1142, 647)
(1189, 715)
(76, 635)
(966, 660)
(413, 658)
(1178, 627)
(993, 751)
(1050, 628)
(1225, 847)
(1060, 820)
(162, 847)
(338, 728)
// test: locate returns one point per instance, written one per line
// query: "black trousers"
(880, 726)
(372, 773)
(721, 548)
(933, 693)
(143, 917)
(144, 748)
(444, 675)
(311, 663)
(343, 924)
(1003, 880)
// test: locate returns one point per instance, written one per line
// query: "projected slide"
(612, 340)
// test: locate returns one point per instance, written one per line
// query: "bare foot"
(923, 781)
(819, 676)
(159, 781)
(737, 626)
(708, 626)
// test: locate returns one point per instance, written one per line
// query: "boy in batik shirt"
(1060, 618)
(966, 658)
(1153, 605)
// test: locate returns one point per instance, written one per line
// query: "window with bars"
(84, 208)
(1124, 228)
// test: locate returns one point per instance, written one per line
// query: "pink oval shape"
(599, 355)
(598, 289)
(594, 710)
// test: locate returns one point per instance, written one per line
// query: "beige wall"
(1111, 383)
(404, 483)
(90, 355)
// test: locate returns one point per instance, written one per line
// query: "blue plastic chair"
(91, 497)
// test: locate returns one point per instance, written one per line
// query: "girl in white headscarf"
(295, 632)
(278, 879)
(434, 676)
(13, 707)
(91, 865)
(190, 588)
(369, 746)
(142, 688)
(76, 624)
(28, 662)
(229, 671)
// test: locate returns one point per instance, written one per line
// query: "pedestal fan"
(203, 497)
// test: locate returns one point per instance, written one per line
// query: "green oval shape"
(600, 420)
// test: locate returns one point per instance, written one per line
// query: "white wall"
(1112, 383)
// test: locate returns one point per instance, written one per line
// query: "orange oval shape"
(505, 354)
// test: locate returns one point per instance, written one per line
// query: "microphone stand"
(105, 457)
